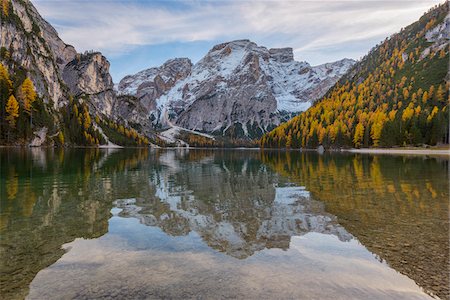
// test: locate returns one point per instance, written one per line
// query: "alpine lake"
(220, 224)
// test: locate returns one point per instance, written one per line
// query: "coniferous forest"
(397, 95)
(22, 111)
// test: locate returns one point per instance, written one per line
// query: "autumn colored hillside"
(397, 95)
(22, 111)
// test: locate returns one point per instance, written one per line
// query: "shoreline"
(394, 151)
(389, 151)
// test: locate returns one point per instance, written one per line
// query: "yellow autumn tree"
(376, 133)
(5, 83)
(440, 94)
(87, 119)
(425, 97)
(405, 93)
(5, 7)
(12, 109)
(27, 94)
(359, 135)
(4, 74)
(431, 92)
(289, 141)
(61, 138)
(408, 113)
(432, 114)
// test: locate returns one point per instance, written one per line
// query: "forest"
(397, 95)
(22, 111)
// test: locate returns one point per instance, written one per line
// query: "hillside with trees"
(49, 93)
(22, 112)
(397, 95)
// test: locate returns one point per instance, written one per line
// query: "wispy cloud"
(312, 28)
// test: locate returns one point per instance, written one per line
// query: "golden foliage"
(12, 109)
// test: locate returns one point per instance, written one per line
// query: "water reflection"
(49, 198)
(228, 223)
(396, 206)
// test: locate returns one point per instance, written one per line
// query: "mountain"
(49, 92)
(237, 89)
(53, 95)
(396, 95)
(147, 86)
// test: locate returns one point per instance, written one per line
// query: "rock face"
(438, 36)
(238, 86)
(88, 75)
(35, 46)
(39, 137)
(55, 68)
(150, 84)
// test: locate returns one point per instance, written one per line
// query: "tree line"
(396, 96)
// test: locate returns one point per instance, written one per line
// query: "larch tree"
(359, 135)
(440, 94)
(5, 7)
(12, 109)
(425, 97)
(27, 94)
(5, 92)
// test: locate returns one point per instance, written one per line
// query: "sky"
(138, 34)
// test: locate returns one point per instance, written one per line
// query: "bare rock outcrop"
(55, 68)
(88, 75)
(238, 88)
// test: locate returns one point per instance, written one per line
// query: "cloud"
(116, 27)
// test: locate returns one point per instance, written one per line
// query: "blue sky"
(136, 34)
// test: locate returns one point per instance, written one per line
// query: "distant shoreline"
(418, 151)
(392, 151)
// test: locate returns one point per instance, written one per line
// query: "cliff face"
(34, 45)
(238, 86)
(88, 75)
(150, 84)
(55, 68)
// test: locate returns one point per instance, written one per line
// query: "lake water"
(205, 224)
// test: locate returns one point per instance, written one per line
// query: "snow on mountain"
(236, 87)
(129, 84)
(148, 85)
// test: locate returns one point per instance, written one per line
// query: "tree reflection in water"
(236, 202)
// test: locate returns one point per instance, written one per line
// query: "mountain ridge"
(247, 85)
(396, 95)
(69, 95)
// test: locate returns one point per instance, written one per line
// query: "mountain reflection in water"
(244, 224)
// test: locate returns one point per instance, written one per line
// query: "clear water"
(205, 224)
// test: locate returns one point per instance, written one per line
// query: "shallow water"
(222, 224)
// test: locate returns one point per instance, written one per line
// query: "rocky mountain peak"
(232, 44)
(88, 74)
(170, 71)
(282, 55)
(237, 86)
(52, 65)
